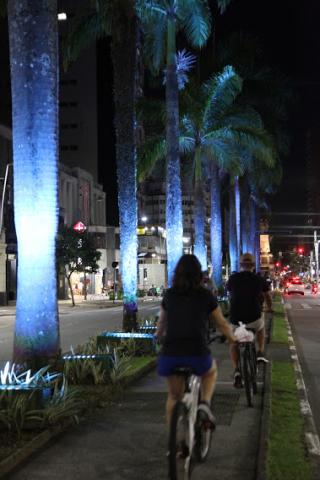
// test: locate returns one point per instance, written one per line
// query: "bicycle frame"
(190, 399)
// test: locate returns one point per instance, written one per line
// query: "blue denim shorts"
(199, 364)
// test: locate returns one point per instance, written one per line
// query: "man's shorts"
(198, 364)
(257, 325)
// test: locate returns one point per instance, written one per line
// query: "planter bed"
(144, 342)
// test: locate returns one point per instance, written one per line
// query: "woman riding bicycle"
(183, 329)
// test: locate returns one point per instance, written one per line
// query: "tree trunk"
(232, 234)
(173, 181)
(216, 226)
(34, 82)
(252, 216)
(237, 218)
(84, 285)
(124, 58)
(71, 291)
(245, 223)
(199, 215)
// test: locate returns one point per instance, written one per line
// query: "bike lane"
(128, 440)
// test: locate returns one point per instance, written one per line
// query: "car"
(294, 285)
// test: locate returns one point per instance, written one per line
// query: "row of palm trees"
(218, 132)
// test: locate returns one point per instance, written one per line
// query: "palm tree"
(117, 18)
(34, 74)
(161, 21)
(222, 135)
(215, 133)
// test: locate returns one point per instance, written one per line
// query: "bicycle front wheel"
(179, 455)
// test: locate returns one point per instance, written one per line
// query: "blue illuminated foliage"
(34, 70)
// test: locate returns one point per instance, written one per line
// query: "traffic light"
(301, 250)
(277, 264)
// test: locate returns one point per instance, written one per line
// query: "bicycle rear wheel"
(253, 368)
(179, 455)
(245, 358)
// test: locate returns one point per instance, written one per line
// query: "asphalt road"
(76, 324)
(304, 317)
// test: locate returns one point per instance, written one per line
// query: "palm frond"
(223, 4)
(221, 91)
(85, 28)
(149, 154)
(3, 8)
(195, 20)
(152, 15)
(240, 116)
(186, 144)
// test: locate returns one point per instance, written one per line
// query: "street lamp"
(4, 194)
(144, 219)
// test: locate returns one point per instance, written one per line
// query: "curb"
(261, 469)
(39, 441)
(42, 439)
(310, 430)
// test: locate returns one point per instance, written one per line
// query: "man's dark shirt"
(246, 296)
(187, 321)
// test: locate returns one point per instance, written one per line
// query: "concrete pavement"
(128, 439)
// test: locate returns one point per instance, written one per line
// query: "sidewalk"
(128, 440)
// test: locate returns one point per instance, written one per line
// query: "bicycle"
(190, 436)
(247, 365)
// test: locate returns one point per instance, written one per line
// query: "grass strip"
(139, 363)
(279, 330)
(287, 457)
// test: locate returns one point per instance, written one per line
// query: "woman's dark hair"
(187, 274)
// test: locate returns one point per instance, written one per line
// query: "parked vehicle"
(294, 285)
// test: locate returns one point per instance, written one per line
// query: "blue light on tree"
(215, 226)
(174, 221)
(34, 72)
(199, 226)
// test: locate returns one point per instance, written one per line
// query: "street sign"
(79, 227)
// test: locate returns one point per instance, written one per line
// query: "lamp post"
(4, 195)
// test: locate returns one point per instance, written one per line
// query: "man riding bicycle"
(248, 291)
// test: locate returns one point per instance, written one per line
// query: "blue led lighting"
(34, 71)
(127, 335)
(86, 357)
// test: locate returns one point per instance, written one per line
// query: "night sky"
(288, 33)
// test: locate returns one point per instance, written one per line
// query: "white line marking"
(287, 306)
(305, 407)
(312, 438)
(314, 443)
(306, 306)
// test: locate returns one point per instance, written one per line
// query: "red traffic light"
(277, 264)
(300, 250)
(79, 227)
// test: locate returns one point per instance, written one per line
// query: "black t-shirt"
(246, 296)
(187, 321)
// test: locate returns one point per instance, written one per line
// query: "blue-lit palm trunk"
(232, 234)
(124, 54)
(173, 181)
(199, 215)
(253, 226)
(245, 224)
(34, 80)
(216, 226)
(237, 217)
